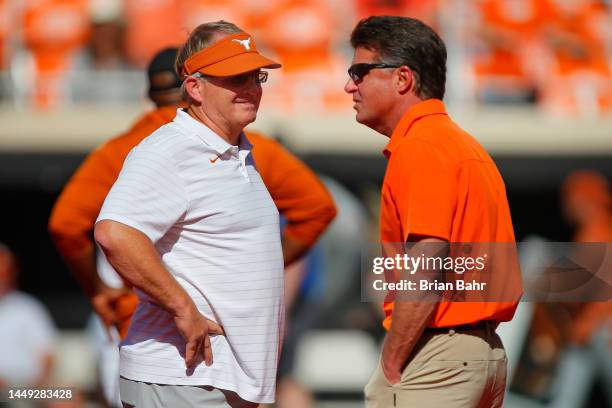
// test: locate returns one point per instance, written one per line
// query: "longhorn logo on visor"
(245, 43)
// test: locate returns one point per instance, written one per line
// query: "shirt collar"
(416, 112)
(216, 142)
(245, 143)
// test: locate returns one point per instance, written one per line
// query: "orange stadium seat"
(580, 78)
(53, 31)
(196, 12)
(425, 10)
(508, 31)
(301, 34)
(150, 26)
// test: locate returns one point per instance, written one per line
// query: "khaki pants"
(447, 369)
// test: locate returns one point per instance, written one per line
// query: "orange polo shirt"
(440, 182)
(297, 192)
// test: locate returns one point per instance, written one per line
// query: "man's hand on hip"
(196, 330)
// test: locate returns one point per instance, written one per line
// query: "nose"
(350, 86)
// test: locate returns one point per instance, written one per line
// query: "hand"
(196, 330)
(104, 302)
(391, 370)
(393, 376)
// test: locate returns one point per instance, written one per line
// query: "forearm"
(82, 265)
(410, 318)
(292, 250)
(300, 235)
(408, 323)
(135, 258)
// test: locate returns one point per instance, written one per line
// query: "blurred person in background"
(298, 194)
(440, 187)
(27, 332)
(53, 31)
(566, 338)
(99, 71)
(575, 336)
(587, 206)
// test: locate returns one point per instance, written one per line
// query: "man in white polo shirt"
(191, 226)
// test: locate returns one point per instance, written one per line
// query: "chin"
(362, 118)
(367, 121)
(246, 119)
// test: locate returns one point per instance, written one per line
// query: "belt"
(481, 325)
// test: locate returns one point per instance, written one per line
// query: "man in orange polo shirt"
(440, 188)
(297, 192)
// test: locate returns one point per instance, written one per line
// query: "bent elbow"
(327, 213)
(331, 212)
(105, 235)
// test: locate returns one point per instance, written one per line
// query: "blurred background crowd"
(553, 53)
(531, 79)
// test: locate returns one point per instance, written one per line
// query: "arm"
(292, 249)
(134, 257)
(421, 190)
(147, 200)
(298, 194)
(410, 318)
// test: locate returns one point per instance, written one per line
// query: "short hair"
(201, 37)
(410, 42)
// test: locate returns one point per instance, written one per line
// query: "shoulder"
(170, 141)
(440, 138)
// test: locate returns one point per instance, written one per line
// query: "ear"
(405, 79)
(192, 89)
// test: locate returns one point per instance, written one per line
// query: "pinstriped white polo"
(204, 206)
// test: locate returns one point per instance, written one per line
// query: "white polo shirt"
(204, 206)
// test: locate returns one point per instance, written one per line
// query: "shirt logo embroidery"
(245, 43)
(214, 160)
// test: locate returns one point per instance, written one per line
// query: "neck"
(231, 134)
(398, 111)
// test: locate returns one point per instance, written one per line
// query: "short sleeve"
(149, 194)
(422, 182)
(76, 209)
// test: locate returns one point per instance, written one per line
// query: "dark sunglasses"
(358, 71)
(242, 79)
